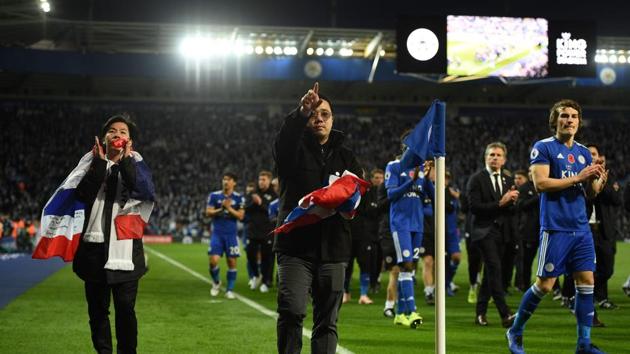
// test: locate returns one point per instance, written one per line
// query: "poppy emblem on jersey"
(581, 159)
(411, 173)
(571, 158)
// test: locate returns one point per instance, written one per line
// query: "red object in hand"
(119, 143)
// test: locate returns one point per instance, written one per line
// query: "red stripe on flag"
(58, 246)
(304, 220)
(129, 226)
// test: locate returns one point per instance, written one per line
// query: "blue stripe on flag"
(145, 190)
(348, 205)
(64, 202)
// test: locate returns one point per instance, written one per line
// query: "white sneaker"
(454, 287)
(214, 291)
(230, 295)
(257, 281)
(252, 283)
(264, 288)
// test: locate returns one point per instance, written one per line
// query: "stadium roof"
(157, 26)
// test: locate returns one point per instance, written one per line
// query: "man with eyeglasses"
(311, 259)
(565, 175)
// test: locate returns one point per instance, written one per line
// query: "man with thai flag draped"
(407, 188)
(320, 176)
(96, 219)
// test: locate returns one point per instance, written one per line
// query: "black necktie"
(497, 189)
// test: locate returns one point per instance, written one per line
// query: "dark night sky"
(612, 16)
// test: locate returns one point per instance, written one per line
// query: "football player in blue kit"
(406, 191)
(565, 175)
(225, 207)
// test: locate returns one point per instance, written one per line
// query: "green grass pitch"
(177, 315)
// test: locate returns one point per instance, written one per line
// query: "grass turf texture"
(177, 315)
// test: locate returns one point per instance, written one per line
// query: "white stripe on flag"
(399, 257)
(64, 225)
(253, 304)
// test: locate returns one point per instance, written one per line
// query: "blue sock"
(450, 272)
(214, 273)
(231, 279)
(364, 282)
(584, 311)
(528, 305)
(402, 304)
(406, 285)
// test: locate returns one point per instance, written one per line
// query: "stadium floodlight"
(249, 49)
(603, 58)
(622, 59)
(44, 6)
(310, 51)
(346, 52)
(277, 50)
(195, 47)
(319, 51)
(382, 53)
(269, 50)
(290, 50)
(259, 50)
(329, 51)
(612, 59)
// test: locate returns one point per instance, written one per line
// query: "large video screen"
(497, 46)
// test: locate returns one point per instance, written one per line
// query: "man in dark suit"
(602, 213)
(491, 197)
(528, 208)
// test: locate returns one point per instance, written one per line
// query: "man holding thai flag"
(96, 219)
(319, 175)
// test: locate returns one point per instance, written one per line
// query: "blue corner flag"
(427, 138)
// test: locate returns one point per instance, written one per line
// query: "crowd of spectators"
(189, 146)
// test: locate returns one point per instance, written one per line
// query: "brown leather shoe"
(508, 321)
(481, 320)
(597, 322)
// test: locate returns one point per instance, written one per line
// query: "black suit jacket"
(528, 209)
(483, 204)
(606, 205)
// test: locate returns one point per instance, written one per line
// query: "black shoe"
(508, 321)
(481, 320)
(597, 322)
(607, 305)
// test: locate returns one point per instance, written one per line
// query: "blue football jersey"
(451, 218)
(406, 211)
(224, 223)
(564, 210)
(272, 210)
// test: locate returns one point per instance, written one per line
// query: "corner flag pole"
(440, 252)
(439, 152)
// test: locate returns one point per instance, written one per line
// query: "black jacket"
(90, 258)
(484, 206)
(384, 232)
(303, 165)
(626, 196)
(258, 225)
(528, 211)
(364, 226)
(606, 204)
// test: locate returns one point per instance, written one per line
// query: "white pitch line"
(253, 304)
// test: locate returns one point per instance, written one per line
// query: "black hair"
(122, 118)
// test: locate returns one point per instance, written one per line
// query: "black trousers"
(267, 257)
(474, 261)
(366, 254)
(98, 298)
(491, 248)
(508, 263)
(297, 278)
(528, 249)
(605, 258)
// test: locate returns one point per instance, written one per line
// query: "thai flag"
(342, 195)
(64, 215)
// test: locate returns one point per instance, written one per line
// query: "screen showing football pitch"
(497, 46)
